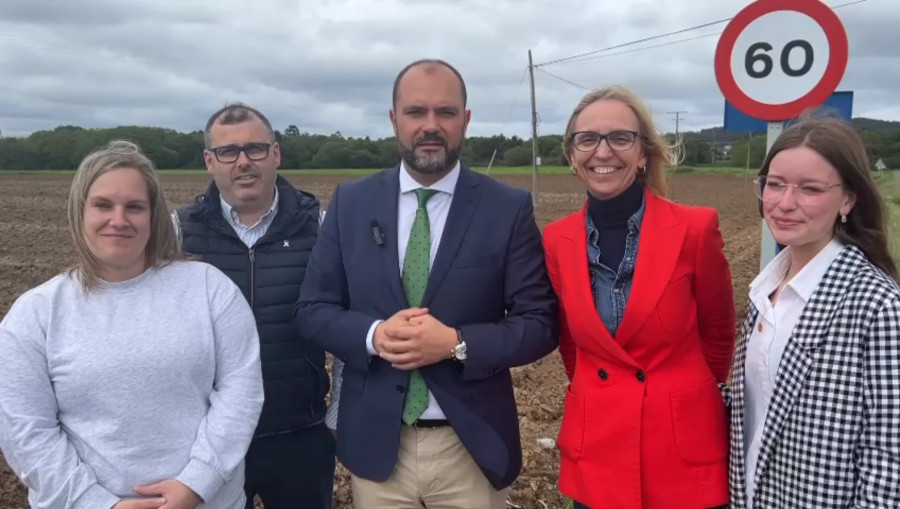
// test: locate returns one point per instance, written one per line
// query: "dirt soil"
(36, 245)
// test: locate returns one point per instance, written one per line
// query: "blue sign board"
(840, 103)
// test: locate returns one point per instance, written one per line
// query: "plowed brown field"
(35, 245)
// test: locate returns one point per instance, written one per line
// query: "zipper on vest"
(252, 271)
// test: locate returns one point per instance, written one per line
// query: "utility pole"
(677, 121)
(749, 142)
(534, 146)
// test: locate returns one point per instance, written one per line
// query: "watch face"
(460, 351)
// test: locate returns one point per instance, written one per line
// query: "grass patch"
(557, 170)
(891, 193)
(496, 170)
(37, 172)
(523, 170)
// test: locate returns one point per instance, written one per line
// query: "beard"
(431, 164)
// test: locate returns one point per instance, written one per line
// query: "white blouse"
(769, 338)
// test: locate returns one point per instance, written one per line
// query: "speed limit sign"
(778, 57)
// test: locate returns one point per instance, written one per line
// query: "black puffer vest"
(269, 275)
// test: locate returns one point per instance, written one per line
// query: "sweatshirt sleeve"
(337, 375)
(32, 441)
(237, 394)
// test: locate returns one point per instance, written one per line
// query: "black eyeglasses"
(231, 153)
(588, 141)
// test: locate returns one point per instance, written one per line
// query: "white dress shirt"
(438, 209)
(249, 234)
(769, 338)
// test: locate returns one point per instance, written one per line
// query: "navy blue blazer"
(488, 279)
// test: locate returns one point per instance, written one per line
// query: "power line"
(560, 78)
(516, 96)
(679, 41)
(849, 3)
(632, 43)
(590, 54)
(508, 115)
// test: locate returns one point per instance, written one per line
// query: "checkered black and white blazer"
(831, 438)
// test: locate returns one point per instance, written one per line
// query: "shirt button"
(617, 290)
(602, 374)
(641, 376)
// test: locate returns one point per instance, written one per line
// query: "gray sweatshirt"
(141, 381)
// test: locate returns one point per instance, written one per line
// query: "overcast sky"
(328, 65)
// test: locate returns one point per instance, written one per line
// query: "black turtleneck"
(610, 218)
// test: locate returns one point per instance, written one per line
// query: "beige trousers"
(433, 471)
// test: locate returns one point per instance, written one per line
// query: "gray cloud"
(328, 65)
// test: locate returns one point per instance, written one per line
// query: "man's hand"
(400, 318)
(141, 503)
(421, 341)
(175, 494)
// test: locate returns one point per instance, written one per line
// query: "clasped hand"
(412, 338)
(168, 494)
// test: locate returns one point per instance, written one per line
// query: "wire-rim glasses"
(771, 190)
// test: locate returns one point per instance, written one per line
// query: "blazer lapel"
(798, 358)
(462, 208)
(578, 283)
(386, 215)
(658, 250)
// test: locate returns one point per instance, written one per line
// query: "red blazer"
(644, 424)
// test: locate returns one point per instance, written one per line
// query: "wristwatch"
(458, 352)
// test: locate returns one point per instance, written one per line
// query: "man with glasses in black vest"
(259, 229)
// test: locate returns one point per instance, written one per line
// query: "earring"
(642, 170)
(572, 170)
(843, 218)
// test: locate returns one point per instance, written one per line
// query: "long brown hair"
(659, 153)
(161, 248)
(840, 144)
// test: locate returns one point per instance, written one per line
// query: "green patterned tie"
(415, 280)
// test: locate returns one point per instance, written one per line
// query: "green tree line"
(884, 145)
(64, 147)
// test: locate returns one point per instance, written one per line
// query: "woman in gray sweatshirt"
(133, 380)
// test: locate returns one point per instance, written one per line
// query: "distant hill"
(716, 134)
(719, 135)
(877, 126)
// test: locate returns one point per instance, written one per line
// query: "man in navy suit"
(428, 281)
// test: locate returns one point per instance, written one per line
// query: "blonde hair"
(658, 152)
(162, 246)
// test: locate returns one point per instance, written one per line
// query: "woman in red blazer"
(647, 322)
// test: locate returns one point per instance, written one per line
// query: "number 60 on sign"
(779, 57)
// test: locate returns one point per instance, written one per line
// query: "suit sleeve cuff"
(370, 338)
(201, 478)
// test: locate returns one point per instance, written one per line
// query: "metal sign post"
(777, 58)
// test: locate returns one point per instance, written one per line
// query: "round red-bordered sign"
(834, 72)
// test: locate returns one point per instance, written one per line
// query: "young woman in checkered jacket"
(815, 389)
